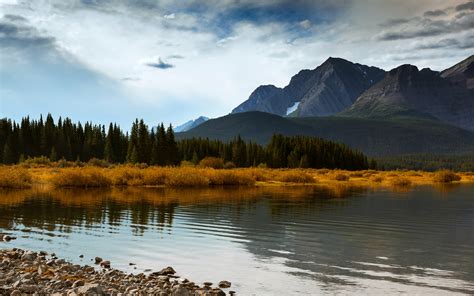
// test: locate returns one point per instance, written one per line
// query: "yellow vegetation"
(212, 162)
(15, 177)
(400, 182)
(84, 177)
(61, 175)
(341, 177)
(446, 177)
(295, 176)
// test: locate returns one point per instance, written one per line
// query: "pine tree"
(53, 155)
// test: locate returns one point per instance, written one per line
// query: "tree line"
(71, 141)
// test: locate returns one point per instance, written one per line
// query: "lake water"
(266, 241)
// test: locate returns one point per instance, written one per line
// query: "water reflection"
(302, 240)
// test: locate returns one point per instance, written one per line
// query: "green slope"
(375, 137)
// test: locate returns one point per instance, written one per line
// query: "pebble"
(224, 284)
(29, 273)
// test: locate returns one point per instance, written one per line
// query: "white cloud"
(170, 16)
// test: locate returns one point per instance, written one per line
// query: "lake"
(265, 240)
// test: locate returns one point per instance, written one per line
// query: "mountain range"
(326, 90)
(190, 124)
(402, 111)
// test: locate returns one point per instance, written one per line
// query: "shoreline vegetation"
(99, 174)
(27, 273)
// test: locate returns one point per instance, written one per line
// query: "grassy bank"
(94, 176)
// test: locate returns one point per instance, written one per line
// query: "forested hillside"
(69, 141)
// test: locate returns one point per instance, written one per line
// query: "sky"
(171, 61)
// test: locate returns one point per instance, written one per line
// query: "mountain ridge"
(325, 90)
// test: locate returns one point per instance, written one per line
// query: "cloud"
(464, 42)
(16, 33)
(170, 16)
(14, 18)
(160, 64)
(434, 13)
(306, 24)
(175, 56)
(428, 28)
(466, 6)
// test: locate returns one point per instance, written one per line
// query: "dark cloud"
(434, 13)
(464, 43)
(14, 18)
(132, 79)
(17, 33)
(160, 64)
(466, 6)
(396, 22)
(175, 56)
(429, 28)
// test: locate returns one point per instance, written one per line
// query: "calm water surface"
(266, 241)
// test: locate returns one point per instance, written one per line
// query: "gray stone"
(225, 284)
(91, 289)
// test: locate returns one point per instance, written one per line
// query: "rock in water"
(105, 264)
(165, 271)
(224, 284)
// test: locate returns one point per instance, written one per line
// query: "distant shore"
(26, 272)
(19, 176)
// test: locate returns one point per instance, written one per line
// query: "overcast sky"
(115, 60)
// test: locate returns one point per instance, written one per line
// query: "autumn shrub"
(186, 164)
(234, 177)
(62, 163)
(294, 177)
(356, 174)
(41, 161)
(377, 179)
(15, 177)
(400, 182)
(186, 177)
(322, 171)
(229, 165)
(155, 176)
(212, 162)
(446, 177)
(127, 175)
(341, 177)
(260, 175)
(83, 177)
(100, 163)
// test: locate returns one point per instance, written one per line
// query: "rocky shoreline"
(38, 273)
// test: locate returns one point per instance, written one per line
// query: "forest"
(71, 141)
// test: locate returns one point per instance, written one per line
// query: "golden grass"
(85, 177)
(15, 177)
(294, 176)
(341, 177)
(401, 182)
(20, 176)
(446, 176)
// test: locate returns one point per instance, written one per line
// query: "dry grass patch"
(446, 177)
(294, 176)
(377, 179)
(231, 177)
(400, 182)
(84, 177)
(186, 178)
(341, 177)
(212, 162)
(15, 177)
